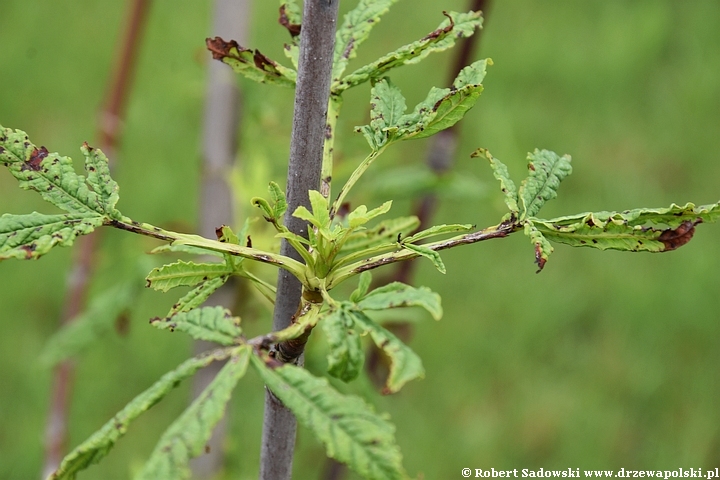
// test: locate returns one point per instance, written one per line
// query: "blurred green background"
(605, 360)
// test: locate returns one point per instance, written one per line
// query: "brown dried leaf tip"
(676, 238)
(539, 259)
(220, 48)
(36, 158)
(441, 31)
(293, 28)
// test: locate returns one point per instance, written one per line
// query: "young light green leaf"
(319, 208)
(297, 242)
(546, 170)
(500, 172)
(363, 286)
(98, 170)
(456, 26)
(251, 63)
(33, 235)
(96, 447)
(439, 230)
(630, 230)
(183, 273)
(354, 30)
(197, 296)
(384, 232)
(97, 320)
(293, 236)
(543, 249)
(213, 324)
(396, 295)
(54, 177)
(308, 318)
(348, 427)
(405, 365)
(346, 357)
(264, 205)
(428, 253)
(304, 214)
(360, 216)
(279, 201)
(187, 436)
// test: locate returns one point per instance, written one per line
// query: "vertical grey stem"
(220, 127)
(317, 40)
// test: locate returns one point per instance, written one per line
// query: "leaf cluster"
(341, 243)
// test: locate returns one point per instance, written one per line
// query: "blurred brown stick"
(110, 125)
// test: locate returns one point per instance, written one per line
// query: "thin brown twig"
(56, 430)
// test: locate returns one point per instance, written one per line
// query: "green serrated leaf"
(444, 107)
(546, 170)
(345, 357)
(183, 273)
(33, 235)
(97, 320)
(213, 324)
(405, 365)
(439, 230)
(187, 436)
(96, 447)
(197, 296)
(53, 176)
(98, 170)
(251, 63)
(639, 230)
(354, 30)
(428, 253)
(500, 172)
(387, 106)
(456, 26)
(348, 427)
(279, 201)
(363, 286)
(396, 295)
(543, 249)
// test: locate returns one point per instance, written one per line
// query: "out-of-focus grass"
(605, 360)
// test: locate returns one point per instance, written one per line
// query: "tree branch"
(317, 40)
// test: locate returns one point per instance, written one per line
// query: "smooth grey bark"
(220, 127)
(312, 93)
